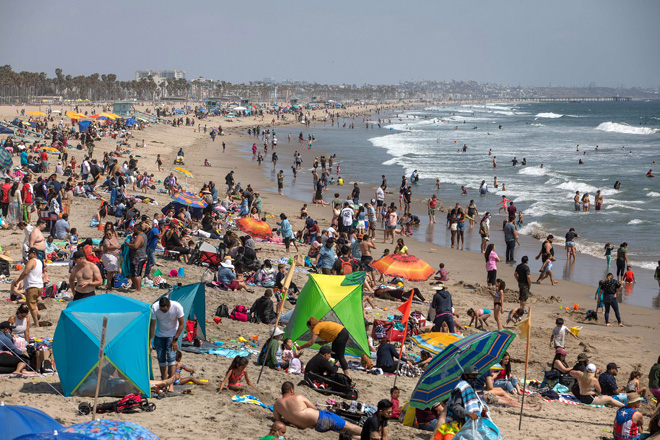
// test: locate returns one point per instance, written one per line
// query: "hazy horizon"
(565, 44)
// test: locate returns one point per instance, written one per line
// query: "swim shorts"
(431, 211)
(570, 243)
(329, 421)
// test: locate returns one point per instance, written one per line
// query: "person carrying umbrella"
(329, 332)
(464, 403)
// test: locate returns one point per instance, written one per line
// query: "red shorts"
(233, 285)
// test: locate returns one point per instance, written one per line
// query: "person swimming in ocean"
(650, 174)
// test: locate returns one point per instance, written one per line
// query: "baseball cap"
(560, 350)
(6, 324)
(470, 369)
(612, 366)
(360, 236)
(591, 368)
(582, 357)
(325, 350)
(373, 201)
(438, 286)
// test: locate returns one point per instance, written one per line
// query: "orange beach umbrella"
(254, 227)
(404, 266)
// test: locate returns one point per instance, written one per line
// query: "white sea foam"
(616, 127)
(537, 125)
(635, 221)
(533, 171)
(653, 194)
(549, 115)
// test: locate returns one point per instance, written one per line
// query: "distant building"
(160, 74)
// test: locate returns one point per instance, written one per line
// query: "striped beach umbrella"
(481, 350)
(404, 266)
(254, 227)
(5, 159)
(435, 342)
(183, 171)
(189, 199)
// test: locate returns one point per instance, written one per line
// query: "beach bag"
(240, 313)
(262, 353)
(222, 311)
(482, 428)
(385, 330)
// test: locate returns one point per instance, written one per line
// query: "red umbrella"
(254, 227)
(404, 266)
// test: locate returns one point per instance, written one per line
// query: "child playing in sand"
(600, 304)
(303, 212)
(237, 370)
(515, 316)
(634, 385)
(394, 398)
(442, 274)
(290, 357)
(479, 317)
(180, 366)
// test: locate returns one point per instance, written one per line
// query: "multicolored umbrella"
(254, 227)
(404, 266)
(112, 430)
(5, 159)
(54, 435)
(110, 115)
(183, 171)
(189, 199)
(435, 342)
(17, 420)
(481, 350)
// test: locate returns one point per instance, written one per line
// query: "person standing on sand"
(522, 275)
(168, 316)
(300, 412)
(433, 202)
(34, 283)
(621, 261)
(491, 265)
(611, 289)
(472, 211)
(280, 182)
(510, 238)
(484, 231)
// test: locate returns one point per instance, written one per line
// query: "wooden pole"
(529, 336)
(98, 374)
(403, 343)
(280, 307)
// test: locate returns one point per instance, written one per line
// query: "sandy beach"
(205, 414)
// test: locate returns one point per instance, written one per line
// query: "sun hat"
(582, 357)
(227, 262)
(276, 331)
(633, 397)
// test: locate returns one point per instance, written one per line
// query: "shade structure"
(254, 227)
(36, 113)
(112, 430)
(435, 342)
(50, 149)
(189, 199)
(336, 298)
(404, 266)
(192, 298)
(130, 121)
(54, 435)
(75, 115)
(481, 350)
(77, 343)
(110, 115)
(18, 420)
(6, 160)
(183, 171)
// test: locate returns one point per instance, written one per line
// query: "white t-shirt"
(168, 323)
(560, 336)
(347, 216)
(380, 195)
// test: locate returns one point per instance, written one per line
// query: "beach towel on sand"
(566, 398)
(251, 400)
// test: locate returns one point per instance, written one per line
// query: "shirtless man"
(86, 275)
(366, 245)
(598, 201)
(297, 410)
(576, 201)
(37, 239)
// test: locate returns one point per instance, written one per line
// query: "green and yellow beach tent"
(77, 342)
(336, 298)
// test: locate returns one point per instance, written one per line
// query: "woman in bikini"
(237, 371)
(498, 295)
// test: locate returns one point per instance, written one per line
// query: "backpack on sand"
(222, 311)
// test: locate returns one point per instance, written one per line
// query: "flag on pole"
(405, 309)
(525, 327)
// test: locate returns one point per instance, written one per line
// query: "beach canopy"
(6, 160)
(481, 350)
(112, 430)
(6, 130)
(254, 227)
(404, 266)
(19, 420)
(194, 211)
(130, 121)
(435, 342)
(192, 298)
(336, 298)
(77, 341)
(84, 125)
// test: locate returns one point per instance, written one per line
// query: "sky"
(526, 43)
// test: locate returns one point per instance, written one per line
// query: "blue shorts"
(166, 356)
(460, 226)
(329, 421)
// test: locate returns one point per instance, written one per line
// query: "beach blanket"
(228, 353)
(251, 400)
(564, 398)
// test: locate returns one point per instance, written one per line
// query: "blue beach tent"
(130, 121)
(77, 342)
(83, 125)
(192, 298)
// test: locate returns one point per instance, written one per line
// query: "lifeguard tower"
(122, 109)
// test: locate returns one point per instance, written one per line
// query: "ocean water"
(429, 141)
